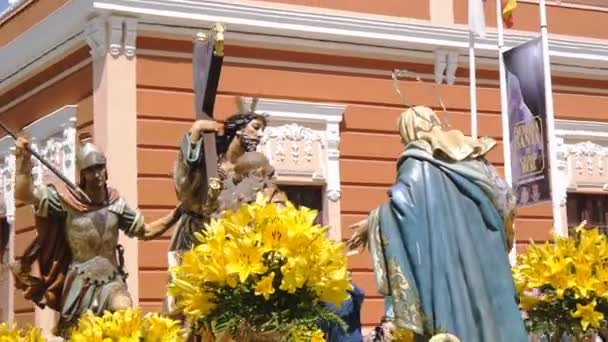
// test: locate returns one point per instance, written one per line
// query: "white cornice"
(311, 112)
(582, 130)
(289, 27)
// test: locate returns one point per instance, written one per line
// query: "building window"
(592, 208)
(4, 237)
(307, 196)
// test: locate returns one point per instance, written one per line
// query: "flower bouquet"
(262, 273)
(126, 326)
(13, 334)
(563, 286)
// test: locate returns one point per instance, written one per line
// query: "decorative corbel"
(96, 36)
(441, 63)
(130, 37)
(114, 35)
(450, 72)
(446, 64)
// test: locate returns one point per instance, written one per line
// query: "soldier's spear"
(49, 166)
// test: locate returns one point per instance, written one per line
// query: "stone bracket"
(114, 35)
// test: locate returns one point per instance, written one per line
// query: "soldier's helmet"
(89, 155)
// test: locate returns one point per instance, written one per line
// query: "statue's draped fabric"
(439, 250)
(191, 187)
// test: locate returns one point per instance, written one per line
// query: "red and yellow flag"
(508, 6)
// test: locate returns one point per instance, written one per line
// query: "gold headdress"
(421, 125)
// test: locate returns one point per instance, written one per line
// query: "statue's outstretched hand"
(205, 126)
(360, 235)
(21, 147)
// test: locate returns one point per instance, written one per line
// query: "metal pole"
(557, 217)
(504, 109)
(473, 85)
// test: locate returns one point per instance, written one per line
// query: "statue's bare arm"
(158, 227)
(24, 184)
(360, 234)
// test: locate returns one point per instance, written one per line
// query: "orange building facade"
(122, 71)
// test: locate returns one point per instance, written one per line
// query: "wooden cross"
(207, 59)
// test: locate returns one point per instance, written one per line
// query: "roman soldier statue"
(76, 247)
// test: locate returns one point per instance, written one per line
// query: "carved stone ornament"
(59, 151)
(334, 195)
(585, 154)
(114, 35)
(292, 142)
(588, 163)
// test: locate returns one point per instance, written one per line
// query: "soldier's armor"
(93, 240)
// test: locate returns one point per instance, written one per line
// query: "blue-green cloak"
(439, 251)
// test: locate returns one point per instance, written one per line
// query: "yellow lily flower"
(588, 315)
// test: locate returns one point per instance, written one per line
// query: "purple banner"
(527, 123)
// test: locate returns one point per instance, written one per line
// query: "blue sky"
(3, 5)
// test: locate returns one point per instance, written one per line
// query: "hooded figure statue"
(440, 243)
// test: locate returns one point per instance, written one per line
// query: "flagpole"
(557, 216)
(503, 94)
(504, 108)
(473, 85)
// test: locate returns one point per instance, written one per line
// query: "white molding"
(7, 176)
(45, 85)
(59, 34)
(288, 27)
(580, 139)
(300, 111)
(582, 130)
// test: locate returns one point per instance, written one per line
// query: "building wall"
(165, 111)
(416, 10)
(69, 89)
(369, 140)
(564, 19)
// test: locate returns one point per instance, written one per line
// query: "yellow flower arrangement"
(263, 266)
(13, 334)
(563, 286)
(126, 326)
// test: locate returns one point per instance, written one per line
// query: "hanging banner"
(527, 123)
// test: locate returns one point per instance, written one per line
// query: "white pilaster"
(7, 183)
(112, 41)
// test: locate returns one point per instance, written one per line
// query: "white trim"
(288, 27)
(573, 137)
(50, 39)
(590, 130)
(7, 174)
(45, 85)
(299, 111)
